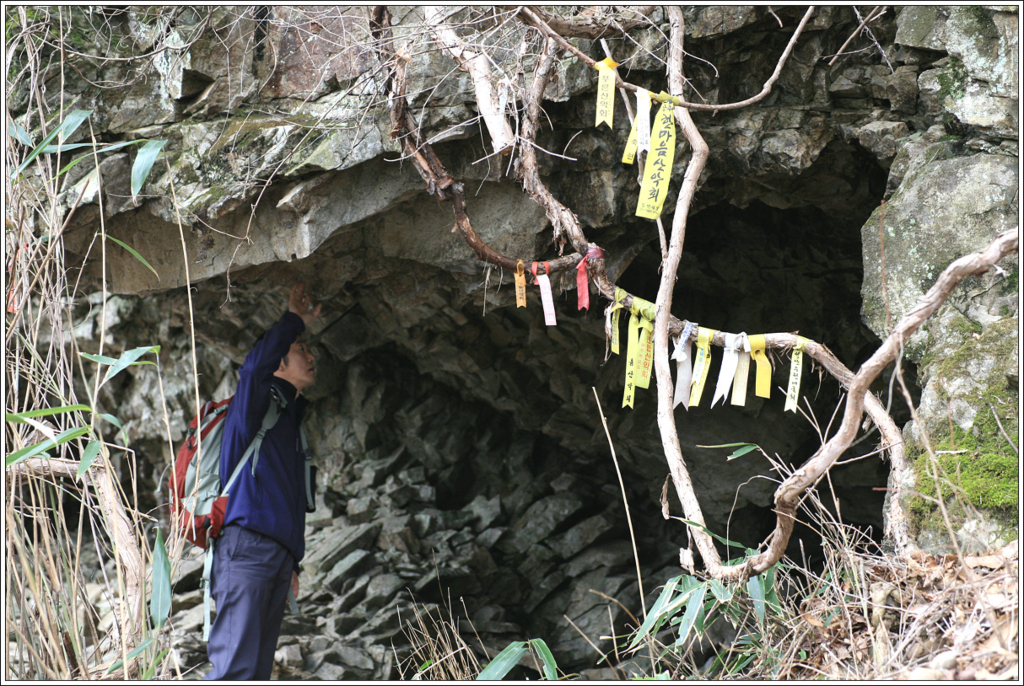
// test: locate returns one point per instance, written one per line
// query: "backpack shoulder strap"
(269, 420)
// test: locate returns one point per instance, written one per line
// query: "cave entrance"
(759, 269)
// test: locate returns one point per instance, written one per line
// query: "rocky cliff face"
(461, 446)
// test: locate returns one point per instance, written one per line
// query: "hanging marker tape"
(545, 293)
(616, 311)
(763, 385)
(702, 364)
(793, 391)
(643, 120)
(605, 91)
(629, 152)
(632, 343)
(582, 285)
(684, 367)
(739, 384)
(639, 347)
(727, 373)
(658, 166)
(520, 284)
(645, 363)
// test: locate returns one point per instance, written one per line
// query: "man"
(263, 538)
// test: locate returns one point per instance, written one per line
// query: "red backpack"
(197, 517)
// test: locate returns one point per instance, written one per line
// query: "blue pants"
(250, 579)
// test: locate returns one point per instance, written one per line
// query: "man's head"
(297, 367)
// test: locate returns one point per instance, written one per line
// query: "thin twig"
(625, 502)
(1002, 430)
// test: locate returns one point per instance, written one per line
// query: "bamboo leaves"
(144, 163)
(140, 169)
(33, 450)
(128, 359)
(69, 125)
(160, 600)
(133, 252)
(508, 658)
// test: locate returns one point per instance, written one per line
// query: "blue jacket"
(273, 501)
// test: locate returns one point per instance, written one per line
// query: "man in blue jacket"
(259, 548)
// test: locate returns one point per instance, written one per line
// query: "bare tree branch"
(594, 25)
(663, 303)
(787, 495)
(533, 20)
(479, 69)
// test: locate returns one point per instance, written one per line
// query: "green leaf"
(156, 663)
(721, 591)
(75, 161)
(743, 449)
(690, 617)
(70, 124)
(19, 418)
(144, 163)
(550, 667)
(741, 452)
(33, 450)
(101, 359)
(711, 533)
(160, 601)
(135, 653)
(769, 584)
(88, 457)
(503, 662)
(135, 254)
(127, 359)
(741, 664)
(657, 611)
(755, 586)
(20, 134)
(112, 419)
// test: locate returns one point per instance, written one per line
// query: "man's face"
(300, 370)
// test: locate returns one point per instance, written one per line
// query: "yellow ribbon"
(739, 382)
(616, 309)
(605, 91)
(763, 385)
(629, 154)
(658, 167)
(793, 391)
(520, 285)
(645, 363)
(701, 364)
(631, 369)
(639, 347)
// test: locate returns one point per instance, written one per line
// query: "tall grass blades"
(77, 553)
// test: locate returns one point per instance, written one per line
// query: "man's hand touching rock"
(299, 303)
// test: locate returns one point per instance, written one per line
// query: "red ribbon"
(582, 285)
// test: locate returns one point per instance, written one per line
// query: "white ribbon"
(684, 367)
(739, 386)
(643, 120)
(728, 371)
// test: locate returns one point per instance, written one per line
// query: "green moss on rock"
(979, 470)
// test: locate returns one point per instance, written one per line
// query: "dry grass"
(76, 551)
(439, 653)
